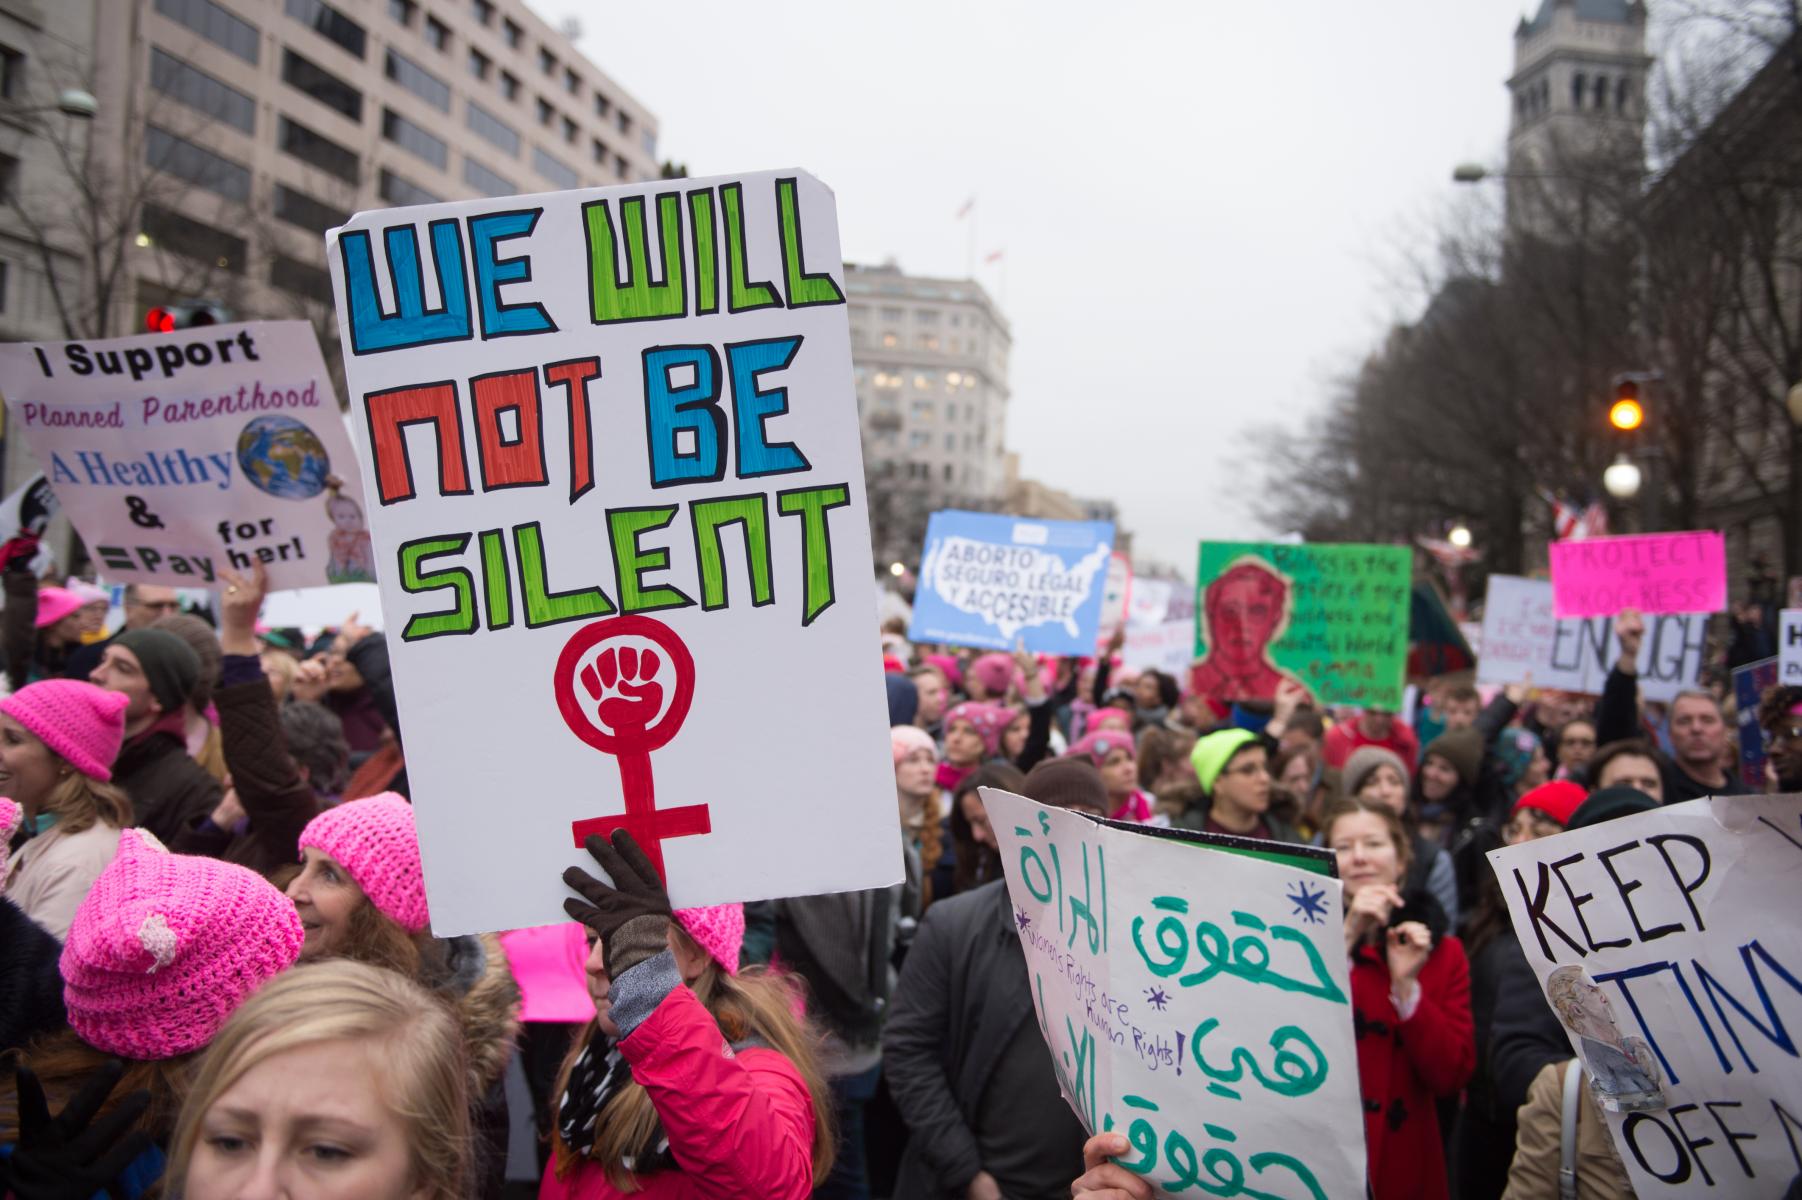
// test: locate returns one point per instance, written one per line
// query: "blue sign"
(990, 580)
(1749, 685)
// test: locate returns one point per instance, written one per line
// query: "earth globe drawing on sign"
(283, 457)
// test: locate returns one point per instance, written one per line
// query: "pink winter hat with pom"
(167, 946)
(82, 723)
(376, 842)
(55, 603)
(720, 930)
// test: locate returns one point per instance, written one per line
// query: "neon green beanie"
(1213, 752)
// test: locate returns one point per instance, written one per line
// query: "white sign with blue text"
(1200, 1007)
(990, 580)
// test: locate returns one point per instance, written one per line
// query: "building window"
(201, 92)
(649, 140)
(396, 190)
(509, 86)
(602, 105)
(217, 25)
(569, 131)
(414, 140)
(572, 82)
(194, 239)
(403, 11)
(482, 11)
(492, 129)
(1578, 85)
(918, 441)
(621, 167)
(625, 123)
(1601, 93)
(512, 32)
(5, 281)
(553, 169)
(485, 181)
(317, 150)
(545, 112)
(599, 149)
(330, 24)
(547, 62)
(1620, 95)
(309, 77)
(890, 340)
(893, 315)
(300, 209)
(12, 74)
(303, 279)
(195, 164)
(421, 82)
(9, 176)
(479, 65)
(437, 35)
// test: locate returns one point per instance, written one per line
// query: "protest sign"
(1334, 617)
(1653, 572)
(1521, 639)
(28, 509)
(1148, 603)
(987, 579)
(611, 443)
(1654, 939)
(1168, 647)
(178, 454)
(1224, 1068)
(1749, 685)
(313, 609)
(1116, 595)
(1789, 647)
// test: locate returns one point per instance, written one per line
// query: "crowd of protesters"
(218, 976)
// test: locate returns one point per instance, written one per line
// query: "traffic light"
(166, 318)
(1626, 413)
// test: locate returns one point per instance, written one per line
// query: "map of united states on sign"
(987, 579)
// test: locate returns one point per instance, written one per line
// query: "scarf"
(592, 1085)
(949, 777)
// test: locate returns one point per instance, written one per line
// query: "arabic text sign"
(1521, 639)
(1658, 941)
(178, 454)
(1334, 617)
(987, 579)
(1655, 573)
(613, 448)
(1202, 1008)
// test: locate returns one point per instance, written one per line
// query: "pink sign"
(1655, 573)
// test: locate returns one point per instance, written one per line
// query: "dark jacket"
(31, 987)
(277, 802)
(1486, 1127)
(962, 997)
(1617, 718)
(169, 791)
(1525, 1034)
(840, 944)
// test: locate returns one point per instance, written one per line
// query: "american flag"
(1569, 522)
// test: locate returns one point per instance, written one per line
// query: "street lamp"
(1622, 478)
(1459, 536)
(74, 102)
(897, 569)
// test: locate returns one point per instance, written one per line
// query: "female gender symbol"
(627, 700)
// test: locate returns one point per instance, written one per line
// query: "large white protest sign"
(178, 454)
(1522, 638)
(611, 443)
(1789, 647)
(1192, 998)
(1148, 602)
(1666, 945)
(987, 579)
(1169, 647)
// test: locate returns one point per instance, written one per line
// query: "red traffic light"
(159, 320)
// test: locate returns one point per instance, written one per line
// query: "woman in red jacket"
(1410, 1002)
(693, 1080)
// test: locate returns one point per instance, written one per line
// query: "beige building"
(228, 135)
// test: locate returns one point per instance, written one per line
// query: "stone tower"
(1579, 91)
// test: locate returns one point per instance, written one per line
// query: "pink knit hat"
(10, 815)
(167, 946)
(989, 721)
(55, 603)
(947, 665)
(1097, 746)
(88, 593)
(375, 841)
(905, 739)
(720, 929)
(995, 672)
(83, 723)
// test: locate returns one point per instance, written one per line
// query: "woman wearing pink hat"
(694, 1078)
(360, 895)
(42, 626)
(1114, 755)
(58, 739)
(160, 954)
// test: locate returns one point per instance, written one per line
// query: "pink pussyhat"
(719, 929)
(377, 844)
(10, 816)
(167, 946)
(82, 723)
(55, 603)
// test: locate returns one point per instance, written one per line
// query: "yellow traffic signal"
(1626, 413)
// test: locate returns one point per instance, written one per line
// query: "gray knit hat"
(170, 664)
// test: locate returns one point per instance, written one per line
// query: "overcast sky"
(1204, 207)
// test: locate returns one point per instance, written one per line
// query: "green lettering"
(497, 585)
(709, 517)
(812, 505)
(741, 295)
(543, 606)
(631, 561)
(700, 222)
(804, 290)
(461, 618)
(637, 299)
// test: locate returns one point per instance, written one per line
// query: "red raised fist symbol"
(634, 674)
